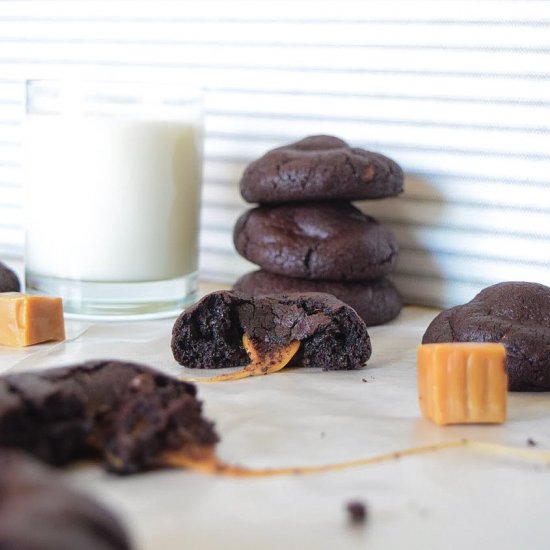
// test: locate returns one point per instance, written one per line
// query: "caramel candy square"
(462, 383)
(26, 319)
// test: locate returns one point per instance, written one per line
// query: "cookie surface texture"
(320, 168)
(376, 301)
(331, 334)
(316, 241)
(516, 314)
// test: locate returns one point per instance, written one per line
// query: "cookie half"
(126, 413)
(316, 241)
(320, 168)
(516, 314)
(376, 301)
(208, 335)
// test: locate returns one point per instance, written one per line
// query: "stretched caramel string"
(509, 451)
(205, 461)
(277, 359)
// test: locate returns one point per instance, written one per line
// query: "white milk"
(111, 199)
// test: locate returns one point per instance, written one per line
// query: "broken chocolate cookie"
(209, 334)
(124, 413)
(39, 512)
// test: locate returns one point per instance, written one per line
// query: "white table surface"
(455, 498)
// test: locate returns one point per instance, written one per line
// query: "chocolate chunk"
(320, 168)
(357, 512)
(209, 334)
(8, 279)
(316, 241)
(516, 314)
(125, 413)
(375, 301)
(39, 512)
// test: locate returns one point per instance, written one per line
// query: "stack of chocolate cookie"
(307, 236)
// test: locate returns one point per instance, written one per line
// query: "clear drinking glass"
(112, 196)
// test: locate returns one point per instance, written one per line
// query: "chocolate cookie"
(320, 168)
(8, 279)
(375, 301)
(331, 334)
(516, 314)
(316, 241)
(39, 512)
(126, 413)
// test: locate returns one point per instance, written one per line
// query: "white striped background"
(456, 91)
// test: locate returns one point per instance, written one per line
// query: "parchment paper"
(451, 499)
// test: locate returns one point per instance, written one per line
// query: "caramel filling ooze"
(261, 362)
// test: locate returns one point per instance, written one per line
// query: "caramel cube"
(462, 383)
(26, 319)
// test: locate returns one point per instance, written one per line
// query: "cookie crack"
(452, 330)
(244, 237)
(307, 178)
(307, 258)
(275, 181)
(27, 403)
(348, 161)
(280, 176)
(314, 170)
(89, 367)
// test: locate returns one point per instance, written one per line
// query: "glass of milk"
(112, 196)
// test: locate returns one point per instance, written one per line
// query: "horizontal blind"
(457, 92)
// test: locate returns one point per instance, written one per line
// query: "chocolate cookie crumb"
(364, 380)
(531, 442)
(357, 512)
